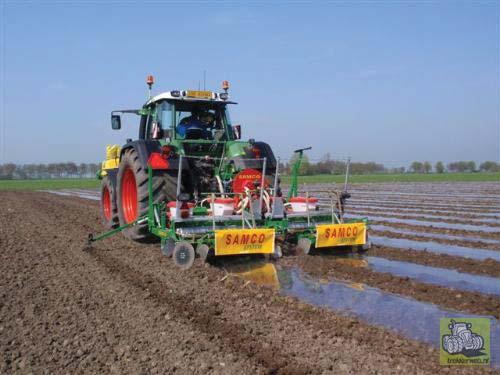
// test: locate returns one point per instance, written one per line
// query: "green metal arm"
(107, 234)
(295, 172)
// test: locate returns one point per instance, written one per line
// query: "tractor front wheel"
(109, 211)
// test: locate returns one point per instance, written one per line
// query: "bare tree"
(417, 167)
(489, 166)
(427, 167)
(7, 171)
(71, 169)
(82, 169)
(439, 167)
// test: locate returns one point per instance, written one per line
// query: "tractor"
(461, 338)
(191, 181)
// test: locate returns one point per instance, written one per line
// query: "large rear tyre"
(132, 194)
(109, 211)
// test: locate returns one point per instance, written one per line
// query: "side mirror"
(116, 122)
(237, 131)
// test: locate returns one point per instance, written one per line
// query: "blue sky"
(385, 81)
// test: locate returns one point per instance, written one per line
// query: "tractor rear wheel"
(133, 195)
(109, 211)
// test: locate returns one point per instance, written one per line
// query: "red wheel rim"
(129, 196)
(106, 203)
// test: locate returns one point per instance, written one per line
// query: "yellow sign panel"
(329, 235)
(244, 241)
(199, 94)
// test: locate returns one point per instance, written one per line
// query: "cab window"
(165, 115)
(213, 118)
(150, 120)
(159, 121)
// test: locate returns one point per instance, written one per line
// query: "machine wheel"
(278, 253)
(109, 211)
(477, 342)
(202, 251)
(304, 245)
(168, 248)
(132, 193)
(367, 246)
(361, 248)
(452, 344)
(183, 255)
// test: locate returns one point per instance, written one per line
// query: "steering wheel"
(194, 133)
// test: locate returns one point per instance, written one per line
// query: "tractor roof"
(192, 96)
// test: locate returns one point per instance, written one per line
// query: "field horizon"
(90, 183)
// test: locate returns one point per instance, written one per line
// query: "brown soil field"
(125, 308)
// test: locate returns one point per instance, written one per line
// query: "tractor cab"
(190, 122)
(187, 115)
(195, 123)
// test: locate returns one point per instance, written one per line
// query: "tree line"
(11, 171)
(325, 165)
(456, 166)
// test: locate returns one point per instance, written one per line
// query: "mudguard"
(267, 152)
(245, 162)
(144, 148)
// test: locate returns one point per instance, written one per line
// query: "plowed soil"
(487, 267)
(471, 302)
(124, 308)
(444, 241)
(455, 232)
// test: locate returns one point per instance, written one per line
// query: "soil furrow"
(472, 245)
(487, 267)
(472, 302)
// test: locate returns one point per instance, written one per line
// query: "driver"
(191, 123)
(207, 118)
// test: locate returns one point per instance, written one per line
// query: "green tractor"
(191, 182)
(192, 124)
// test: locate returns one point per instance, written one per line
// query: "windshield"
(195, 120)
